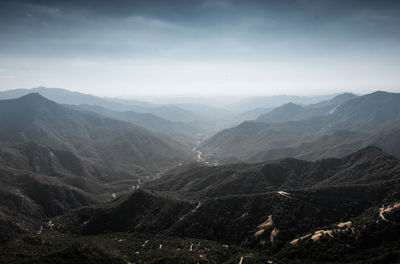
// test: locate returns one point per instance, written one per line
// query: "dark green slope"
(231, 219)
(223, 213)
(371, 237)
(28, 198)
(124, 248)
(296, 200)
(366, 166)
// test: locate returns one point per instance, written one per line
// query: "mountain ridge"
(35, 118)
(373, 114)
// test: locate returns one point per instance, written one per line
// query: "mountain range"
(375, 114)
(86, 179)
(37, 119)
(63, 96)
(295, 112)
(262, 206)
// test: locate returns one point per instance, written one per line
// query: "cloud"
(180, 37)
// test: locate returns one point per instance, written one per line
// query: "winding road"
(198, 155)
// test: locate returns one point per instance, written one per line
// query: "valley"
(200, 132)
(93, 183)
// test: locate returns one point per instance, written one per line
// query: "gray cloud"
(302, 33)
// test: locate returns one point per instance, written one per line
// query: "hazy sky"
(201, 47)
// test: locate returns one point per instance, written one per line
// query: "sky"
(201, 47)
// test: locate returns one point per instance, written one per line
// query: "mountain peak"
(291, 104)
(35, 99)
(33, 96)
(369, 153)
(380, 93)
(343, 96)
(370, 149)
(286, 112)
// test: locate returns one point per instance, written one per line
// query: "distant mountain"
(211, 119)
(250, 103)
(170, 112)
(177, 131)
(35, 118)
(254, 113)
(208, 120)
(206, 111)
(294, 112)
(285, 113)
(63, 96)
(337, 144)
(376, 113)
(372, 112)
(334, 102)
(248, 138)
(212, 101)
